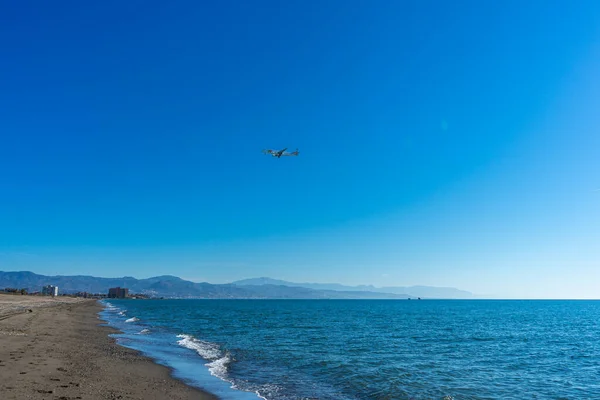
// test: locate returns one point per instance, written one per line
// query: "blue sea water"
(370, 349)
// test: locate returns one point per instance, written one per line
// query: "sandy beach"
(54, 348)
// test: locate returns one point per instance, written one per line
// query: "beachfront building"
(50, 290)
(118, 293)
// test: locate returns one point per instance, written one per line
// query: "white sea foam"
(134, 319)
(208, 351)
(143, 332)
(259, 396)
(122, 313)
(218, 360)
(269, 389)
(219, 367)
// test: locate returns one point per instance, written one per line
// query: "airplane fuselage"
(279, 153)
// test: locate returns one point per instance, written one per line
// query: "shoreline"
(58, 348)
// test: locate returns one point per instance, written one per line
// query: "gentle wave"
(208, 351)
(219, 367)
(143, 332)
(134, 319)
(219, 362)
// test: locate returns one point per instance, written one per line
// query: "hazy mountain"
(411, 291)
(172, 286)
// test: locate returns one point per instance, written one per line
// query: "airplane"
(279, 153)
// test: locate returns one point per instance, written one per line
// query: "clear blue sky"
(441, 143)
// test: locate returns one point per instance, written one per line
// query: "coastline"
(57, 348)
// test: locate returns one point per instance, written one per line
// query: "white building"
(50, 290)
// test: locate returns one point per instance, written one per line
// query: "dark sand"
(58, 351)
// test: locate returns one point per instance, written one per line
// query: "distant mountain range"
(411, 291)
(261, 288)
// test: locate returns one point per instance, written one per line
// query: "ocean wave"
(143, 332)
(207, 350)
(134, 319)
(219, 362)
(122, 313)
(219, 367)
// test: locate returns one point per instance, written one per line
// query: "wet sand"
(55, 349)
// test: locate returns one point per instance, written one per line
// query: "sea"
(370, 349)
